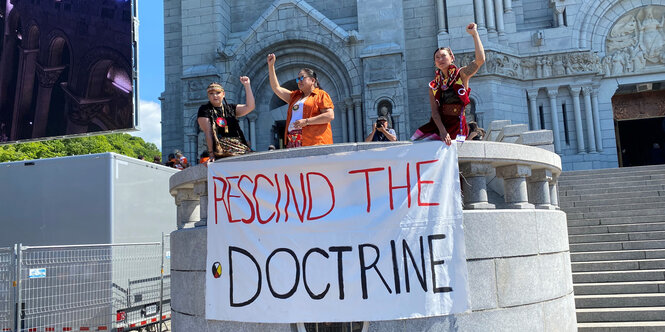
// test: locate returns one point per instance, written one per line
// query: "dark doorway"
(278, 134)
(641, 142)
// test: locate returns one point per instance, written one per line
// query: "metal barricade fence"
(112, 287)
(7, 272)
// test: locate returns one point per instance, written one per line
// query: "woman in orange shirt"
(310, 109)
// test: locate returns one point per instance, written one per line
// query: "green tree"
(125, 144)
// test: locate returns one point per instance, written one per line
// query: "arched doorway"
(639, 123)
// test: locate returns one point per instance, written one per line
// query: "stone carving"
(82, 114)
(528, 68)
(48, 76)
(635, 42)
(650, 104)
(196, 89)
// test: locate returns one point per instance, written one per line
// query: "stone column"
(507, 6)
(588, 113)
(498, 11)
(532, 95)
(552, 93)
(357, 110)
(514, 186)
(539, 189)
(187, 207)
(596, 120)
(345, 131)
(579, 131)
(554, 191)
(24, 89)
(7, 66)
(489, 15)
(352, 127)
(192, 150)
(252, 129)
(558, 10)
(441, 16)
(201, 190)
(47, 78)
(475, 185)
(479, 10)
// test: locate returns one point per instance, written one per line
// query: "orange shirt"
(315, 134)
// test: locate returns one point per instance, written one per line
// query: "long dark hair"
(312, 73)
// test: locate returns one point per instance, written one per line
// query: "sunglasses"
(300, 79)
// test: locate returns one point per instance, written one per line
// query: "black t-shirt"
(227, 112)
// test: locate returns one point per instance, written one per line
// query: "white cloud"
(150, 122)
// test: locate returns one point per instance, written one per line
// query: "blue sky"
(151, 69)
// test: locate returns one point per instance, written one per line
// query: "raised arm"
(282, 93)
(471, 69)
(248, 106)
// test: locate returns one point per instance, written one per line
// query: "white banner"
(357, 236)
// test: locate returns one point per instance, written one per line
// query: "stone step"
(623, 228)
(619, 265)
(614, 237)
(632, 287)
(603, 203)
(617, 185)
(618, 179)
(634, 220)
(630, 326)
(649, 211)
(607, 171)
(629, 245)
(563, 194)
(630, 205)
(618, 276)
(575, 200)
(594, 256)
(620, 300)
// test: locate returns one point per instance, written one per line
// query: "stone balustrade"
(516, 240)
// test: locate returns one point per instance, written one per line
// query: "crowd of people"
(311, 110)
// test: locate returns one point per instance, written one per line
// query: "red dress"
(451, 97)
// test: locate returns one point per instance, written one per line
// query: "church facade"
(590, 71)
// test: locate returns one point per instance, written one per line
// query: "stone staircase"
(616, 228)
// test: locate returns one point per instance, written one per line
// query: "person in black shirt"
(219, 121)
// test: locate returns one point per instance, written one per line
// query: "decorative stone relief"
(635, 42)
(644, 105)
(196, 88)
(529, 68)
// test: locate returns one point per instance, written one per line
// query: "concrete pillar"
(252, 129)
(539, 189)
(532, 95)
(201, 190)
(357, 110)
(345, 131)
(588, 113)
(351, 118)
(47, 78)
(514, 186)
(498, 11)
(479, 10)
(187, 207)
(554, 191)
(579, 131)
(558, 10)
(552, 93)
(24, 89)
(475, 185)
(489, 16)
(596, 120)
